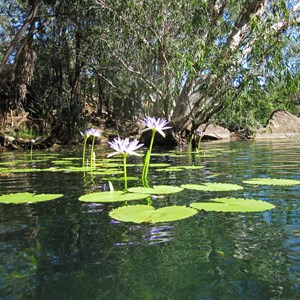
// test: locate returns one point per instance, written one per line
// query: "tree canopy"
(230, 62)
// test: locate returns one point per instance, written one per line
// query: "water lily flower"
(93, 132)
(200, 135)
(124, 147)
(154, 124)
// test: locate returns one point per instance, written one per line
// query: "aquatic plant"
(200, 135)
(148, 214)
(25, 197)
(124, 147)
(91, 132)
(156, 125)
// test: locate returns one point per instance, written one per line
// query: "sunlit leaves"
(213, 187)
(233, 205)
(21, 198)
(113, 196)
(148, 214)
(272, 181)
(158, 189)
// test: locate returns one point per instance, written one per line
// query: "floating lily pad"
(272, 181)
(213, 187)
(148, 214)
(128, 178)
(157, 189)
(193, 167)
(233, 205)
(170, 169)
(112, 196)
(20, 198)
(27, 170)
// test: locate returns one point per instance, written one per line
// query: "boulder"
(281, 124)
(215, 132)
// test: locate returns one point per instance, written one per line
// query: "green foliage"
(272, 181)
(156, 190)
(22, 198)
(213, 187)
(112, 196)
(184, 60)
(233, 205)
(148, 214)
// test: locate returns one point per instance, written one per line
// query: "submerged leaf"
(213, 187)
(157, 189)
(20, 198)
(272, 181)
(233, 205)
(112, 196)
(147, 214)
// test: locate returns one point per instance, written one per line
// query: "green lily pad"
(156, 190)
(112, 196)
(21, 198)
(148, 214)
(128, 178)
(272, 181)
(193, 167)
(233, 205)
(213, 187)
(29, 170)
(170, 169)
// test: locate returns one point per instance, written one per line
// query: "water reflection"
(67, 249)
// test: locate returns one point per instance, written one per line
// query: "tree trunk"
(201, 96)
(28, 22)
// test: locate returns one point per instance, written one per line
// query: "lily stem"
(125, 171)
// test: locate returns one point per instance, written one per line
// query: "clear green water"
(65, 249)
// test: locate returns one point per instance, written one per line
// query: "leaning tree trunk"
(13, 88)
(201, 96)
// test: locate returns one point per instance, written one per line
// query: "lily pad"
(233, 205)
(272, 181)
(21, 198)
(148, 214)
(156, 190)
(213, 187)
(121, 178)
(112, 196)
(170, 169)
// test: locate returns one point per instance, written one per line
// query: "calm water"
(65, 249)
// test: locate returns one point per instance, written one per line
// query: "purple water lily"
(91, 132)
(154, 124)
(124, 147)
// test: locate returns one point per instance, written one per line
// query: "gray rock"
(281, 124)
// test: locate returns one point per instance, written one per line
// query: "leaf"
(133, 213)
(157, 189)
(272, 181)
(21, 198)
(213, 187)
(147, 214)
(121, 178)
(233, 205)
(112, 196)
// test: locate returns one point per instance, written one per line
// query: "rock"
(281, 124)
(215, 132)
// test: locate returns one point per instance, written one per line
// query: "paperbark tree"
(194, 61)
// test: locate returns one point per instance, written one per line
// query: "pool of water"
(66, 249)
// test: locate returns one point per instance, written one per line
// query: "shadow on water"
(66, 249)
